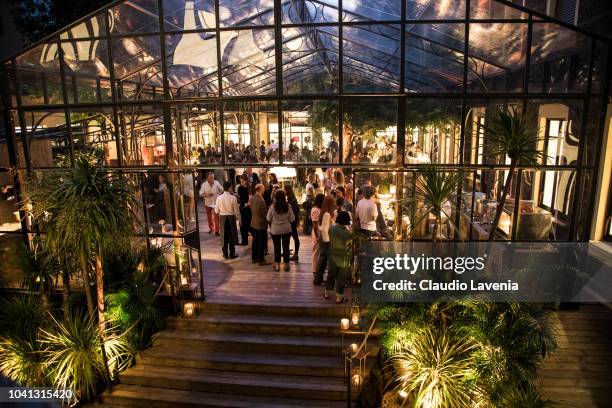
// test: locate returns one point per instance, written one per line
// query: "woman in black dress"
(245, 210)
(295, 207)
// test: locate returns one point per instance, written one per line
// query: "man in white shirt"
(210, 190)
(366, 212)
(228, 210)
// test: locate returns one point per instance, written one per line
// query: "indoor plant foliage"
(510, 134)
(468, 353)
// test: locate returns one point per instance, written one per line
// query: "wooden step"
(249, 323)
(134, 396)
(251, 384)
(332, 310)
(186, 341)
(245, 361)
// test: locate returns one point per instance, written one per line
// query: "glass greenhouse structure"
(163, 89)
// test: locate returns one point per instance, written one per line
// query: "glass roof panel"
(247, 62)
(309, 11)
(434, 57)
(192, 64)
(371, 58)
(367, 10)
(559, 59)
(38, 70)
(497, 56)
(236, 13)
(491, 9)
(189, 15)
(134, 17)
(310, 60)
(435, 9)
(94, 27)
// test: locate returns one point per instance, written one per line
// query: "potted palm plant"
(433, 189)
(510, 134)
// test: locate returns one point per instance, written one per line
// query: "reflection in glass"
(370, 130)
(559, 59)
(433, 131)
(310, 11)
(497, 57)
(491, 9)
(362, 10)
(310, 131)
(435, 10)
(310, 60)
(247, 62)
(196, 134)
(87, 71)
(234, 13)
(251, 132)
(134, 17)
(371, 58)
(137, 67)
(38, 72)
(434, 57)
(192, 65)
(182, 15)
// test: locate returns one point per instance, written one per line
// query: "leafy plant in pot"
(510, 133)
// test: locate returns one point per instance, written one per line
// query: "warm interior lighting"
(344, 324)
(189, 309)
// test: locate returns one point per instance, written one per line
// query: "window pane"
(310, 131)
(236, 13)
(310, 60)
(371, 58)
(434, 57)
(138, 68)
(435, 10)
(433, 130)
(251, 132)
(310, 11)
(196, 134)
(370, 130)
(599, 66)
(87, 71)
(248, 62)
(479, 114)
(497, 57)
(142, 135)
(182, 15)
(559, 59)
(134, 17)
(39, 77)
(491, 9)
(46, 137)
(546, 200)
(558, 124)
(93, 130)
(363, 10)
(192, 65)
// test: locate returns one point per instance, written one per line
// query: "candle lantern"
(189, 310)
(344, 324)
(356, 381)
(355, 315)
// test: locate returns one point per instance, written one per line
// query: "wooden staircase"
(236, 355)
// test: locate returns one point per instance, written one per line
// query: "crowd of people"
(359, 150)
(252, 206)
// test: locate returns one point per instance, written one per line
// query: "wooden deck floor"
(241, 281)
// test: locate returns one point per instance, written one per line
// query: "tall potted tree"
(85, 212)
(510, 134)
